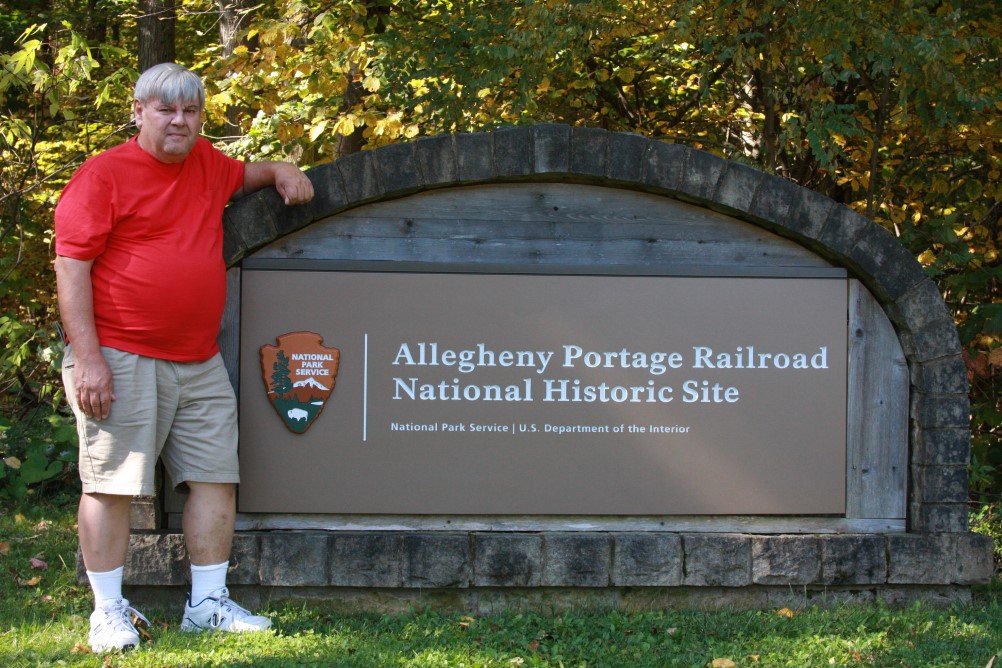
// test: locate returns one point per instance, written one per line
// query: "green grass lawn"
(44, 622)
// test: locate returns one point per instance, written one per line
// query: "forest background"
(891, 108)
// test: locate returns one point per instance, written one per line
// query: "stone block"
(647, 560)
(234, 247)
(358, 174)
(785, 560)
(921, 305)
(843, 230)
(627, 157)
(808, 216)
(853, 559)
(576, 560)
(942, 446)
(551, 144)
(738, 186)
(774, 201)
(942, 558)
(157, 559)
(975, 554)
(879, 254)
(934, 340)
(512, 152)
(507, 560)
(294, 558)
(945, 375)
(939, 517)
(589, 151)
(255, 220)
(144, 514)
(941, 484)
(288, 219)
(717, 560)
(665, 165)
(940, 411)
(367, 560)
(397, 169)
(702, 173)
(475, 157)
(921, 559)
(930, 596)
(832, 598)
(438, 560)
(329, 195)
(436, 158)
(245, 560)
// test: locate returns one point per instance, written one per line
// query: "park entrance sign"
(551, 394)
(546, 366)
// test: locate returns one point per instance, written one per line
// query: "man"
(141, 286)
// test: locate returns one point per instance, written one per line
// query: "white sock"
(106, 585)
(206, 580)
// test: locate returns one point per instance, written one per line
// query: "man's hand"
(93, 385)
(290, 182)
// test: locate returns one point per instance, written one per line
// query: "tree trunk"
(379, 12)
(233, 15)
(156, 32)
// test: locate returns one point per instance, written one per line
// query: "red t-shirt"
(154, 231)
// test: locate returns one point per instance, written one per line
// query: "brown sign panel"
(552, 395)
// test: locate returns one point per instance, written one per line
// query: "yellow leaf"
(626, 74)
(785, 612)
(371, 84)
(723, 663)
(318, 130)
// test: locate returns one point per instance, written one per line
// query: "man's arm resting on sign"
(92, 376)
(290, 181)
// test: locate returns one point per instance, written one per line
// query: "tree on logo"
(280, 382)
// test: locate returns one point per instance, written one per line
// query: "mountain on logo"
(310, 382)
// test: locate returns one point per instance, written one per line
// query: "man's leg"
(208, 520)
(103, 525)
(209, 517)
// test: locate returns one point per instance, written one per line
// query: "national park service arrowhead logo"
(299, 376)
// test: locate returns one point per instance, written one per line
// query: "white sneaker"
(111, 626)
(219, 613)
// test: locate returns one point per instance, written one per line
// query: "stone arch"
(939, 405)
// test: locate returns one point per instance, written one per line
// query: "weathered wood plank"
(694, 523)
(635, 252)
(877, 412)
(541, 223)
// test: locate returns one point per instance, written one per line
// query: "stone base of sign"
(554, 600)
(486, 571)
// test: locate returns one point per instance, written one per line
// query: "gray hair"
(170, 83)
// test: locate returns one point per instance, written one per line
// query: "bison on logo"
(299, 375)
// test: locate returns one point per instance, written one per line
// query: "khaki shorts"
(182, 413)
